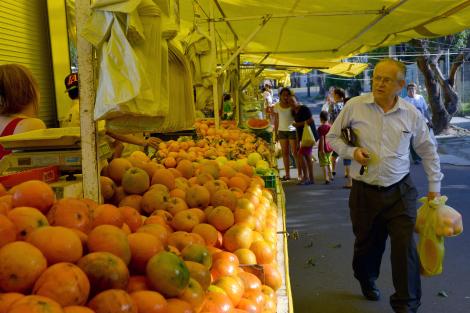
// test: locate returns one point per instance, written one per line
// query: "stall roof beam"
(302, 15)
(373, 23)
(257, 73)
(221, 11)
(263, 22)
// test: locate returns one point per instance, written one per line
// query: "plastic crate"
(269, 181)
(46, 174)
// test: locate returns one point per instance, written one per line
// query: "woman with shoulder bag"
(303, 123)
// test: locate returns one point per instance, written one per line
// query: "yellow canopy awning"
(318, 34)
(346, 69)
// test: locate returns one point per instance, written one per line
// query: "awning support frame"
(264, 20)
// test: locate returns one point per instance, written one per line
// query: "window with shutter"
(24, 39)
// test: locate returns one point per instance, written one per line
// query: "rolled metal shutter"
(24, 39)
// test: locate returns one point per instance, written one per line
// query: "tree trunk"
(435, 83)
(440, 116)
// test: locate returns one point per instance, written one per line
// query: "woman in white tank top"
(285, 131)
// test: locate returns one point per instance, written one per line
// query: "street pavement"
(321, 242)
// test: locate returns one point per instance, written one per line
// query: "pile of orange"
(180, 236)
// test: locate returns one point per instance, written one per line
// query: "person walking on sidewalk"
(419, 103)
(324, 148)
(383, 199)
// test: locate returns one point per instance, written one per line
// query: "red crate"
(48, 174)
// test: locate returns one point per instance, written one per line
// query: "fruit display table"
(284, 294)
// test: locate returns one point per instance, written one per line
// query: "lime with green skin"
(167, 274)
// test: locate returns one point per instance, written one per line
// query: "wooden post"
(88, 128)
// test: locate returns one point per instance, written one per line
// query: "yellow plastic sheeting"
(346, 69)
(309, 30)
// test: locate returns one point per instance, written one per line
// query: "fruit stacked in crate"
(179, 236)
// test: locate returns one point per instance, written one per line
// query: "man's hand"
(362, 156)
(153, 142)
(433, 195)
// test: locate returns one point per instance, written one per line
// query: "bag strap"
(11, 126)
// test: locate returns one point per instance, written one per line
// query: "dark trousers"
(376, 214)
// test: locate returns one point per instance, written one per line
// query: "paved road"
(320, 260)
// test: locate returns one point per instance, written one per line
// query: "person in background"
(268, 102)
(340, 100)
(303, 115)
(285, 131)
(419, 103)
(383, 197)
(227, 108)
(19, 102)
(324, 148)
(73, 120)
(334, 109)
(329, 99)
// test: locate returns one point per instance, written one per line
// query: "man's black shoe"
(370, 291)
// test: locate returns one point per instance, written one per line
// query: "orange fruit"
(264, 253)
(104, 271)
(193, 294)
(137, 283)
(133, 201)
(113, 300)
(109, 238)
(245, 256)
(35, 304)
(197, 253)
(217, 302)
(149, 302)
(157, 230)
(131, 217)
(175, 205)
(117, 167)
(7, 299)
(57, 244)
(7, 231)
(221, 218)
(167, 274)
(232, 287)
(197, 197)
(77, 309)
(185, 167)
(200, 273)
(21, 264)
(185, 220)
(26, 220)
(71, 213)
(65, 283)
(237, 237)
(143, 246)
(225, 198)
(108, 187)
(107, 214)
(178, 306)
(33, 193)
(164, 177)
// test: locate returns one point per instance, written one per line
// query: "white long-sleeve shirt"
(387, 138)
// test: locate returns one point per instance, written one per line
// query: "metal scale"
(46, 147)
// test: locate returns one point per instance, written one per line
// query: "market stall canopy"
(306, 32)
(346, 69)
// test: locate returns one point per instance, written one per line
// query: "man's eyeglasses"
(380, 79)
